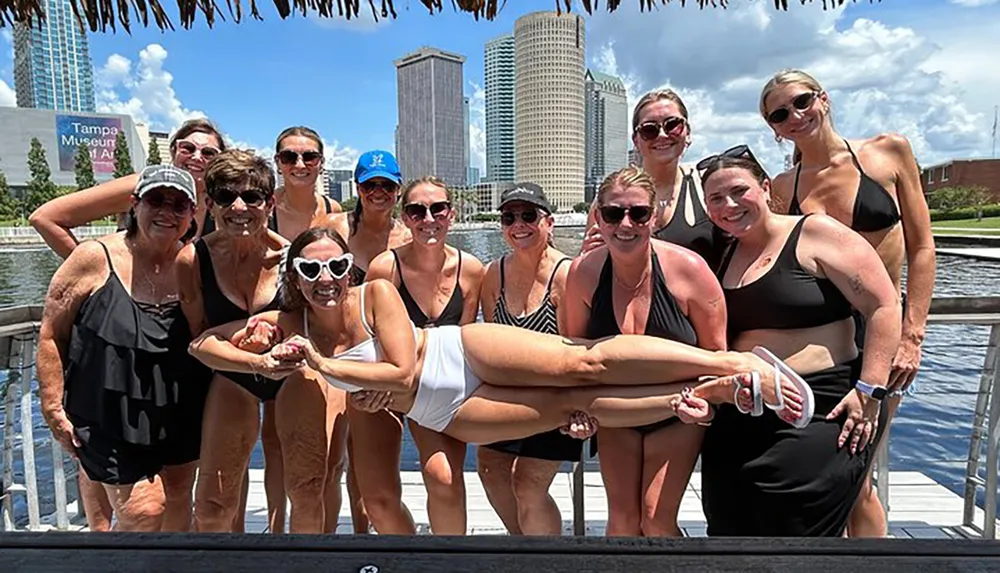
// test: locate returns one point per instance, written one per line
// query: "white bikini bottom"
(446, 380)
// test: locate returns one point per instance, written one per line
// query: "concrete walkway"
(988, 254)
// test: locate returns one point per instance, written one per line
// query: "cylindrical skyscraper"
(550, 130)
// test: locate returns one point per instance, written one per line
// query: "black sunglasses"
(418, 211)
(613, 214)
(801, 103)
(250, 197)
(740, 151)
(650, 130)
(158, 200)
(387, 186)
(508, 218)
(290, 157)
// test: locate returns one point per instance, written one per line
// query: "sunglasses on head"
(733, 152)
(508, 218)
(159, 200)
(311, 269)
(250, 197)
(418, 211)
(291, 157)
(613, 214)
(671, 126)
(188, 148)
(387, 186)
(801, 102)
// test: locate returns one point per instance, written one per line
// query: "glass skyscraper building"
(52, 66)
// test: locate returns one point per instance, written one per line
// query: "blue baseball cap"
(377, 163)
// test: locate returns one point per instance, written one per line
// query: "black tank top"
(785, 297)
(452, 313)
(542, 319)
(703, 237)
(874, 208)
(127, 363)
(219, 309)
(665, 319)
(272, 222)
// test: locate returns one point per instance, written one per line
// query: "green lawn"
(986, 224)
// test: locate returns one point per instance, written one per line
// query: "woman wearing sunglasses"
(192, 146)
(790, 284)
(635, 285)
(115, 383)
(871, 185)
(371, 229)
(299, 157)
(481, 382)
(661, 133)
(439, 286)
(525, 289)
(231, 274)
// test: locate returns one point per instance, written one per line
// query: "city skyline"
(498, 81)
(937, 96)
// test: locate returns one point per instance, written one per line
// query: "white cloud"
(145, 92)
(477, 128)
(7, 96)
(973, 3)
(880, 78)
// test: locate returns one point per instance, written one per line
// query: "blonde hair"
(783, 78)
(655, 96)
(631, 176)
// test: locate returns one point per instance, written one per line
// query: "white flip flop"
(782, 369)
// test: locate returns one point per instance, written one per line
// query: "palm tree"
(101, 14)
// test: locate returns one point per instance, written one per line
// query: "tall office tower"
(468, 138)
(549, 105)
(607, 128)
(52, 67)
(499, 76)
(429, 134)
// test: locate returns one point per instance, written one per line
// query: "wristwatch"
(877, 392)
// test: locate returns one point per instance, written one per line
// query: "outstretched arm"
(55, 219)
(393, 331)
(218, 348)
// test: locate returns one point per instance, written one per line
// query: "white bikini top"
(366, 351)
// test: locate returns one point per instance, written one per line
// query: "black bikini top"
(665, 319)
(703, 237)
(785, 297)
(452, 313)
(219, 309)
(874, 209)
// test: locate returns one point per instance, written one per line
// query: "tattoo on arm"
(856, 284)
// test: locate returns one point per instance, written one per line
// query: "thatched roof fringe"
(100, 15)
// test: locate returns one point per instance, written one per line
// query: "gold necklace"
(645, 275)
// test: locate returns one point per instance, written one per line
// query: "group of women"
(702, 294)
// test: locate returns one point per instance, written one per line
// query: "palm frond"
(102, 15)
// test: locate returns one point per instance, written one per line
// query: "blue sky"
(920, 67)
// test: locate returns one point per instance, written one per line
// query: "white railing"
(28, 234)
(19, 333)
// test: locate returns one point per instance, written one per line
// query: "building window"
(945, 173)
(930, 176)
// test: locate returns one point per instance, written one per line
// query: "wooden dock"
(919, 507)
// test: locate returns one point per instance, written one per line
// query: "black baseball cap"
(527, 192)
